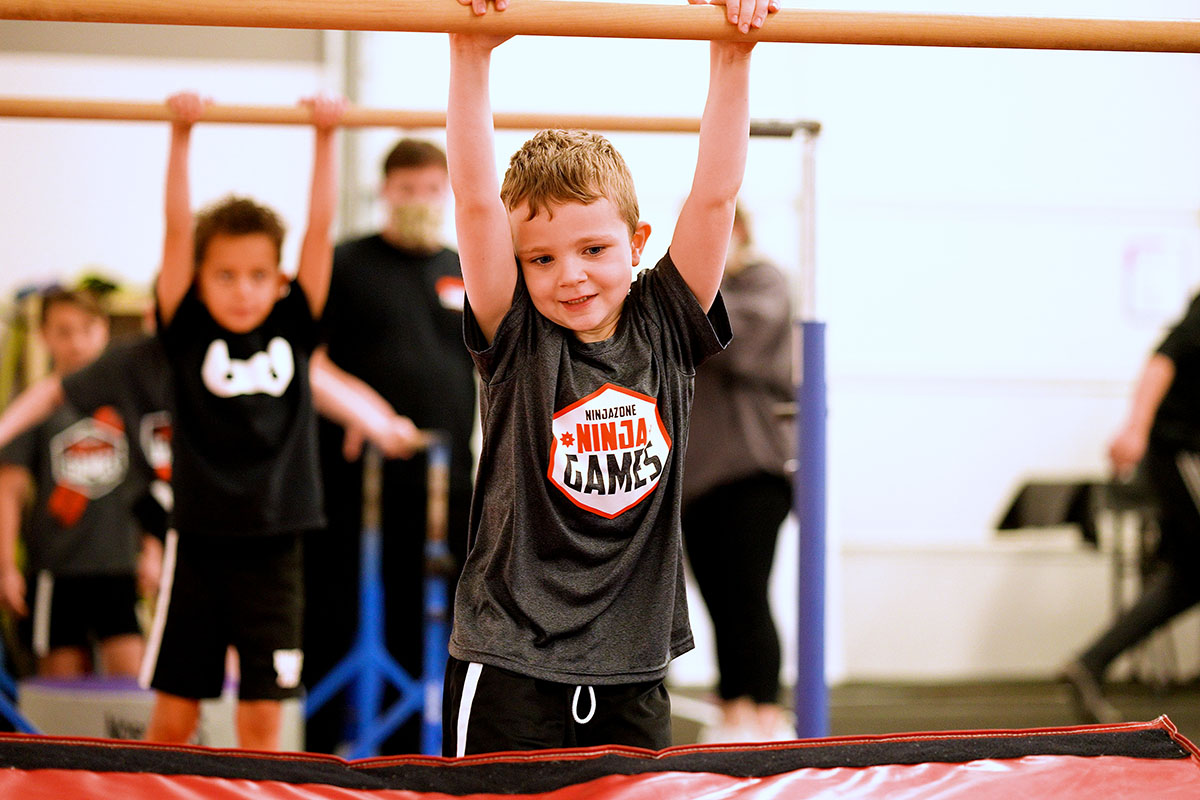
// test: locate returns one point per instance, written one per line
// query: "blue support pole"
(367, 686)
(812, 695)
(8, 708)
(439, 565)
(368, 669)
(15, 717)
(437, 635)
(811, 692)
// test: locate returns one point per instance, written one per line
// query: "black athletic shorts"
(487, 709)
(244, 591)
(79, 610)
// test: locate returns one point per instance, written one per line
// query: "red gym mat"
(1130, 760)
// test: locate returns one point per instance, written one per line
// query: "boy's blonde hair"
(558, 166)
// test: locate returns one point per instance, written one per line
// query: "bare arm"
(14, 486)
(706, 221)
(485, 243)
(316, 251)
(178, 259)
(352, 403)
(30, 407)
(149, 568)
(1129, 445)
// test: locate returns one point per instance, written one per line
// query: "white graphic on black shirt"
(288, 664)
(268, 372)
(609, 450)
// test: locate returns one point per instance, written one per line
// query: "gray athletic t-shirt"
(575, 569)
(82, 521)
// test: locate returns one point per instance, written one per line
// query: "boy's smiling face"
(578, 262)
(239, 279)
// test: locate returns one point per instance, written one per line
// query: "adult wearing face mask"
(394, 321)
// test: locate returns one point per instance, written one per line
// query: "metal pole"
(811, 691)
(811, 694)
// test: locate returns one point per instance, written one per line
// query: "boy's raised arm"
(14, 486)
(33, 405)
(485, 244)
(705, 222)
(316, 251)
(178, 258)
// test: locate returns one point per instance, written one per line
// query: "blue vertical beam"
(367, 690)
(809, 503)
(368, 669)
(439, 567)
(811, 694)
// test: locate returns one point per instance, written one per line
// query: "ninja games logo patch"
(90, 456)
(609, 450)
(87, 461)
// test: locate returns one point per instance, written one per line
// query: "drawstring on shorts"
(575, 705)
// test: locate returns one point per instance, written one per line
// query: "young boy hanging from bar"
(571, 603)
(238, 335)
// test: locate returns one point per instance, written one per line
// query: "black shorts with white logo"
(79, 610)
(487, 709)
(244, 591)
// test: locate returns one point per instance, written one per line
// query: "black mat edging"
(503, 777)
(517, 775)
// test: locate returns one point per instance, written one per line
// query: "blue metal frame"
(368, 667)
(809, 503)
(8, 697)
(811, 693)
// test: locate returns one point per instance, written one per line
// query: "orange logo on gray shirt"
(609, 450)
(87, 460)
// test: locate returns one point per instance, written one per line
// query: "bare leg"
(122, 655)
(738, 714)
(64, 662)
(259, 723)
(772, 723)
(173, 719)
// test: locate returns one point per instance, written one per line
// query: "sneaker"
(1087, 696)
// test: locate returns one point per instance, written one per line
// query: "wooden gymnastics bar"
(632, 21)
(359, 117)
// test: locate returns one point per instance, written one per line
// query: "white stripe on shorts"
(154, 641)
(464, 707)
(1189, 469)
(42, 597)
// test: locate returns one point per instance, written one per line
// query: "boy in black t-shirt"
(571, 601)
(79, 586)
(238, 337)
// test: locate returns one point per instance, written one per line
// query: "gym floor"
(861, 708)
